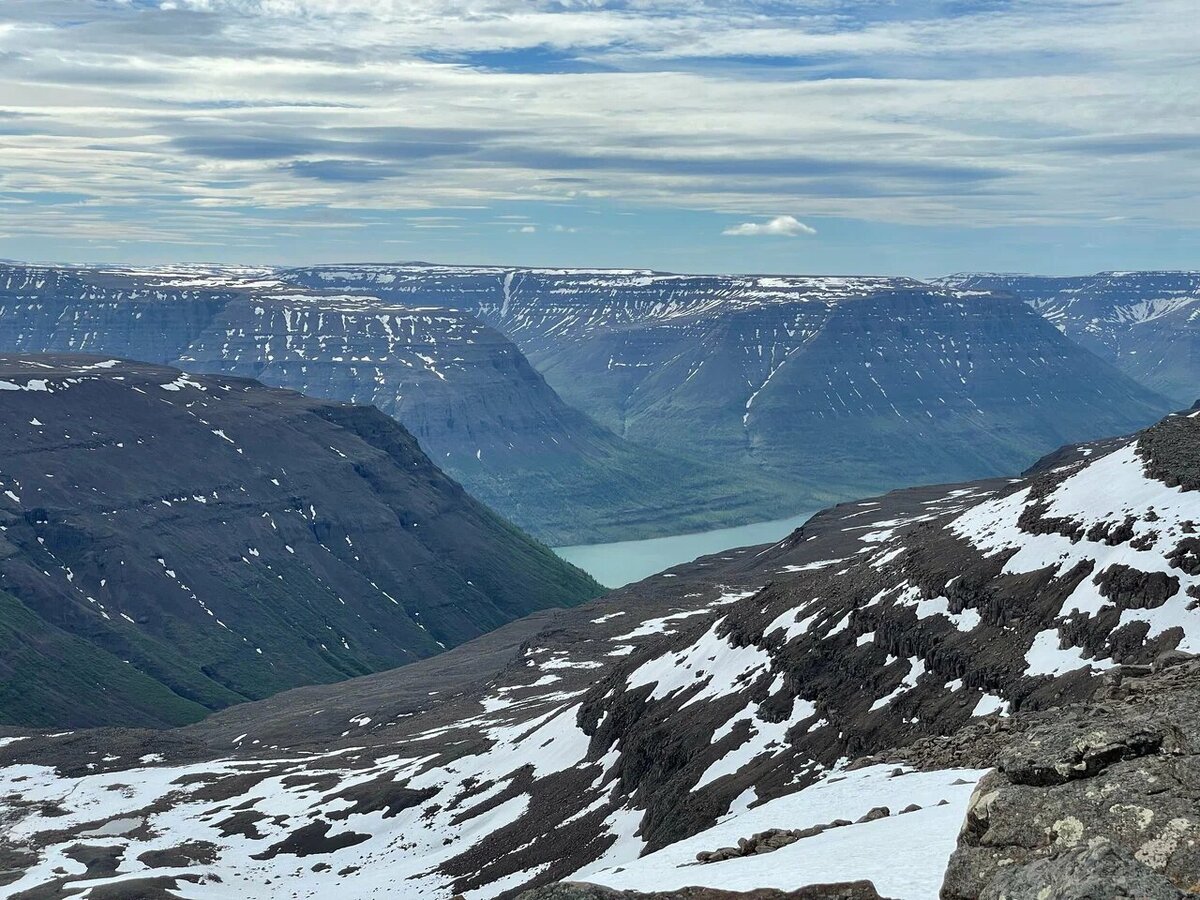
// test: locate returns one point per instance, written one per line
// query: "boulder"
(1097, 872)
(879, 812)
(1094, 800)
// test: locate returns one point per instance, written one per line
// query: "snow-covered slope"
(617, 741)
(829, 386)
(463, 389)
(1146, 323)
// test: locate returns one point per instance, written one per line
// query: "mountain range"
(465, 392)
(829, 387)
(1144, 323)
(174, 543)
(977, 690)
(632, 403)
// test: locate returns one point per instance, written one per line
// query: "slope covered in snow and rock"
(171, 544)
(831, 387)
(1144, 323)
(819, 710)
(464, 390)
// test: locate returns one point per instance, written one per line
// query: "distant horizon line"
(630, 270)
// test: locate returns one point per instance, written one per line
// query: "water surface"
(622, 562)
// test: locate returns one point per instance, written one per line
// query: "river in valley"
(623, 562)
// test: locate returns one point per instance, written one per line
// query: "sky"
(914, 137)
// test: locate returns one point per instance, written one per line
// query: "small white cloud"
(565, 229)
(528, 229)
(780, 226)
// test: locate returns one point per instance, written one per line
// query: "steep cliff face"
(144, 315)
(1144, 323)
(463, 389)
(173, 543)
(602, 337)
(702, 727)
(830, 387)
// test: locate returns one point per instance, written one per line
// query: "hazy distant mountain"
(172, 544)
(816, 711)
(464, 390)
(1145, 323)
(829, 386)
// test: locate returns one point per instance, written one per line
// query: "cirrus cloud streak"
(203, 117)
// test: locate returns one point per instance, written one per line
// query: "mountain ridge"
(176, 543)
(1141, 321)
(832, 387)
(465, 391)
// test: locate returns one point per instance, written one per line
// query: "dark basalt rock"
(1186, 556)
(310, 839)
(1048, 755)
(186, 854)
(380, 794)
(777, 838)
(879, 812)
(164, 887)
(1134, 589)
(1171, 452)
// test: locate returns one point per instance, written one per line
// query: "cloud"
(342, 171)
(367, 143)
(205, 119)
(780, 226)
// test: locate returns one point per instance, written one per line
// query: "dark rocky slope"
(813, 712)
(831, 387)
(171, 544)
(464, 390)
(1144, 323)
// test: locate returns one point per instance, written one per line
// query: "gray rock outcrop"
(1097, 799)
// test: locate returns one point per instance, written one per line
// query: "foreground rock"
(1098, 871)
(1098, 799)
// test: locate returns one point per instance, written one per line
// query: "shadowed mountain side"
(173, 544)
